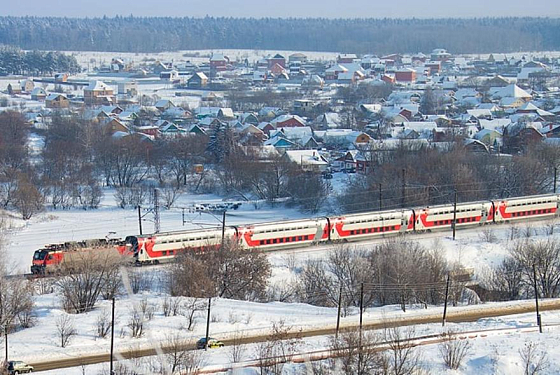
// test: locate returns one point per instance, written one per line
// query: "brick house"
(405, 75)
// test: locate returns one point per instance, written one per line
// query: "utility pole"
(139, 220)
(446, 296)
(454, 215)
(208, 324)
(183, 216)
(361, 309)
(6, 343)
(338, 313)
(555, 178)
(403, 192)
(112, 336)
(223, 226)
(156, 211)
(539, 323)
(380, 200)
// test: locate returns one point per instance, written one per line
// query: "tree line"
(15, 61)
(364, 35)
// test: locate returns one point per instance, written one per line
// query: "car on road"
(18, 367)
(212, 343)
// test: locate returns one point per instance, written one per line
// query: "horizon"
(330, 9)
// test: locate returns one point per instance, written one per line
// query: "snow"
(55, 226)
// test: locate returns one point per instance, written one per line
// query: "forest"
(378, 36)
(15, 61)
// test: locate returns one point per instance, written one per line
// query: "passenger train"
(161, 247)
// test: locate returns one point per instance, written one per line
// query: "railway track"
(454, 315)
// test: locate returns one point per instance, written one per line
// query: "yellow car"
(212, 343)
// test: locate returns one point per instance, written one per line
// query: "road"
(456, 315)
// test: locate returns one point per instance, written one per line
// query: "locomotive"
(162, 247)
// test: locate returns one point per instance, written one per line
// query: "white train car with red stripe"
(160, 247)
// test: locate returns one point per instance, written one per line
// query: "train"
(164, 247)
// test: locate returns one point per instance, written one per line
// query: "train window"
(164, 253)
(300, 238)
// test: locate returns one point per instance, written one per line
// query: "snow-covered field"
(495, 354)
(53, 226)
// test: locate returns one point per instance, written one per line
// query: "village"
(326, 116)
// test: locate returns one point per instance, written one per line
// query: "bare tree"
(190, 308)
(172, 306)
(354, 355)
(403, 358)
(85, 274)
(170, 193)
(236, 349)
(136, 323)
(65, 328)
(179, 357)
(453, 351)
(535, 361)
(278, 349)
(103, 323)
(544, 256)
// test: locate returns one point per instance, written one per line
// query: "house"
(27, 85)
(345, 163)
(197, 81)
(327, 120)
(163, 105)
(266, 127)
(38, 93)
(346, 58)
(474, 145)
(277, 69)
(331, 74)
(510, 91)
(280, 143)
(226, 114)
(440, 54)
(519, 136)
(150, 130)
(363, 162)
(350, 77)
(489, 137)
(249, 118)
(218, 63)
(97, 93)
(308, 160)
(276, 59)
(407, 75)
(57, 101)
(434, 67)
(128, 88)
(270, 112)
(114, 125)
(286, 121)
(297, 57)
(250, 135)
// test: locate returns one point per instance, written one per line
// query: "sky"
(285, 8)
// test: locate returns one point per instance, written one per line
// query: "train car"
(372, 224)
(285, 234)
(525, 208)
(51, 257)
(163, 247)
(441, 216)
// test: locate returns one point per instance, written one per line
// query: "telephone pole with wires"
(157, 226)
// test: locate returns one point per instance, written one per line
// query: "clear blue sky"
(284, 8)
